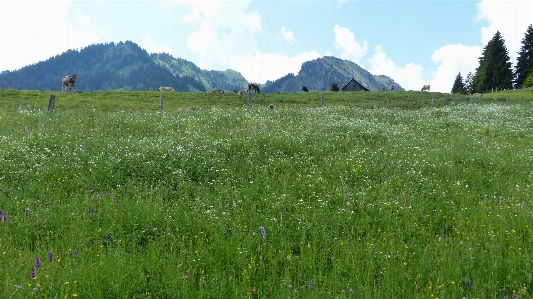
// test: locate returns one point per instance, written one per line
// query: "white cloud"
(349, 47)
(152, 45)
(287, 35)
(511, 18)
(409, 77)
(260, 67)
(83, 20)
(226, 37)
(224, 32)
(453, 59)
(42, 23)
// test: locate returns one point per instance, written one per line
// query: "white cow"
(162, 88)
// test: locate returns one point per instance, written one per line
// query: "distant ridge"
(319, 74)
(121, 66)
(126, 66)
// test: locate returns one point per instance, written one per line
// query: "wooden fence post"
(322, 101)
(508, 101)
(51, 103)
(432, 103)
(161, 103)
(471, 101)
(249, 100)
(385, 104)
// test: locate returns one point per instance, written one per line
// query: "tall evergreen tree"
(458, 85)
(468, 82)
(524, 63)
(494, 71)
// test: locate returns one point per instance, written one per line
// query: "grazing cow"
(383, 88)
(219, 91)
(238, 92)
(392, 87)
(163, 88)
(478, 95)
(253, 86)
(304, 88)
(69, 82)
(425, 87)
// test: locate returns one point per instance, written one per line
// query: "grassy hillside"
(105, 198)
(149, 100)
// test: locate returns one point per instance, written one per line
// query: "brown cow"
(69, 82)
(383, 88)
(219, 91)
(478, 95)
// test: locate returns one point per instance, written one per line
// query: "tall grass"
(297, 201)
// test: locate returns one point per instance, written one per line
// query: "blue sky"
(413, 42)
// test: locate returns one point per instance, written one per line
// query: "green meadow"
(372, 195)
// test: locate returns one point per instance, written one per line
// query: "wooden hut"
(353, 85)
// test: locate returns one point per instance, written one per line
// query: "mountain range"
(126, 66)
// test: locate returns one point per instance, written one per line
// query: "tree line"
(495, 71)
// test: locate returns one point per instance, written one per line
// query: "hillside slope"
(319, 74)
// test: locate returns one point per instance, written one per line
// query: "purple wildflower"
(19, 287)
(468, 284)
(37, 263)
(109, 236)
(32, 272)
(483, 198)
(310, 285)
(4, 217)
(105, 193)
(50, 256)
(34, 290)
(185, 277)
(75, 253)
(27, 212)
(505, 297)
(263, 232)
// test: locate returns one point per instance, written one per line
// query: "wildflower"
(50, 256)
(75, 253)
(185, 277)
(34, 290)
(310, 285)
(3, 217)
(27, 212)
(32, 272)
(263, 232)
(468, 284)
(109, 236)
(37, 263)
(90, 186)
(19, 287)
(289, 257)
(105, 193)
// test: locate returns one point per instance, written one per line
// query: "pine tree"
(334, 86)
(468, 82)
(494, 71)
(458, 85)
(524, 64)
